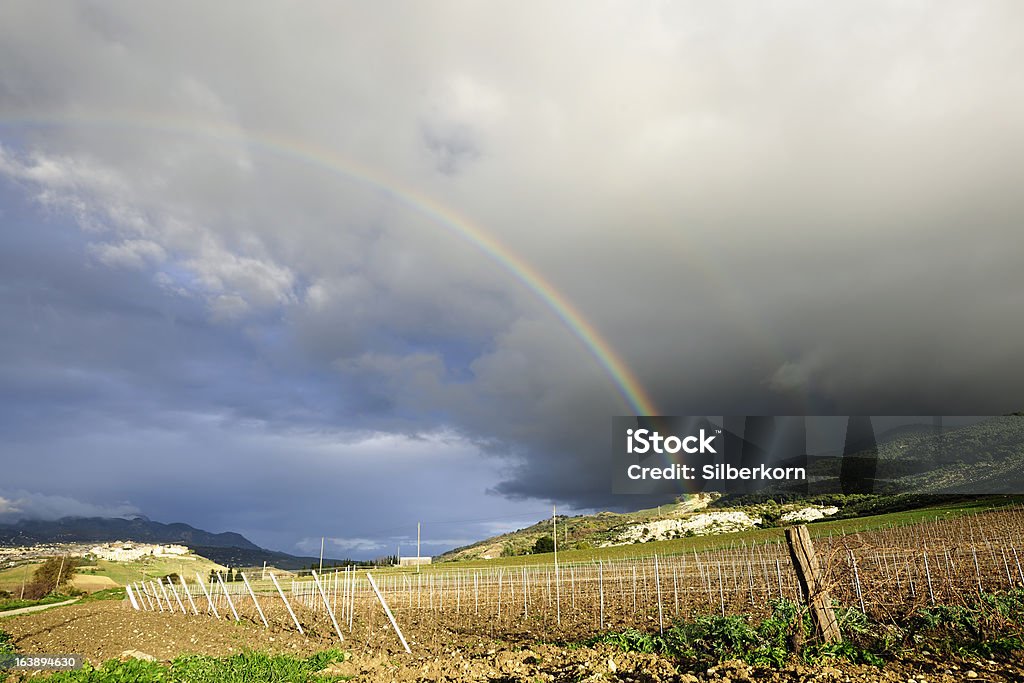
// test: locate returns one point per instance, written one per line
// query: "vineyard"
(886, 573)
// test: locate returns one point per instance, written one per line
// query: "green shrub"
(710, 639)
(544, 544)
(992, 625)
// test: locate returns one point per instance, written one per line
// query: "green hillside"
(862, 513)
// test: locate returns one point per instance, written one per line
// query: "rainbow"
(628, 385)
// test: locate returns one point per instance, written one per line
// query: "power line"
(399, 527)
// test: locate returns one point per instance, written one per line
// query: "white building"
(127, 551)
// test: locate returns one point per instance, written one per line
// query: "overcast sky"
(234, 291)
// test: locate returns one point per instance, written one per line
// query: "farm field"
(92, 583)
(957, 578)
(122, 573)
(103, 631)
(101, 576)
(12, 578)
(886, 570)
(104, 574)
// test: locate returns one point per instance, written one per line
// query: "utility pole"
(418, 555)
(558, 596)
(554, 534)
(59, 572)
(321, 554)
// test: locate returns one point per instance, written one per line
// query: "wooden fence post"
(808, 571)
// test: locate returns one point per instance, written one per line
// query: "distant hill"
(101, 529)
(242, 557)
(227, 548)
(986, 457)
(579, 532)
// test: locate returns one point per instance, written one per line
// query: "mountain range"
(228, 548)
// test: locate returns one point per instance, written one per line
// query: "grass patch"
(246, 667)
(106, 594)
(12, 578)
(14, 603)
(123, 573)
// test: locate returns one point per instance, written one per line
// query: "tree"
(544, 544)
(50, 576)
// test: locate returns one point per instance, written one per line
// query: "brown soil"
(105, 630)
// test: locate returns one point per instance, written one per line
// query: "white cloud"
(168, 284)
(135, 254)
(59, 171)
(258, 283)
(227, 307)
(103, 201)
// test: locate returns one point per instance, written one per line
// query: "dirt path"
(36, 608)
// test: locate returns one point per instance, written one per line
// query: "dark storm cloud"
(800, 209)
(16, 505)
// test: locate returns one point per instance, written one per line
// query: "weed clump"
(991, 626)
